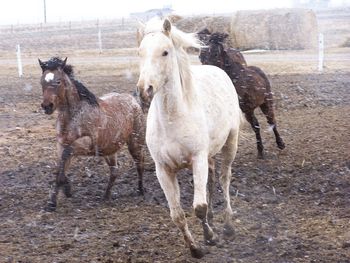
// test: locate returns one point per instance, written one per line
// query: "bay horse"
(251, 83)
(87, 125)
(194, 113)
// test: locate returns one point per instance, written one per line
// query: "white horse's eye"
(165, 53)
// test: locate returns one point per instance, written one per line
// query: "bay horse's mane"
(55, 63)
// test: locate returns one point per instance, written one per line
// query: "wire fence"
(117, 33)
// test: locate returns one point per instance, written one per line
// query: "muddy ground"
(292, 207)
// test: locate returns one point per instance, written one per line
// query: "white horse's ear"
(167, 26)
(140, 32)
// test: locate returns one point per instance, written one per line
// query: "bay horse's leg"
(66, 154)
(267, 109)
(170, 186)
(111, 160)
(250, 117)
(135, 146)
(200, 205)
(211, 188)
(229, 153)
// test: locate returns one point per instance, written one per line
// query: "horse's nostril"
(150, 90)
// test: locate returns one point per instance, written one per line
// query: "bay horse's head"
(53, 82)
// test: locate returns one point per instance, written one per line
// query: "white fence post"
(99, 40)
(320, 52)
(19, 61)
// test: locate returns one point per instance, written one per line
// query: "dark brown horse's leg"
(267, 109)
(61, 179)
(211, 188)
(112, 163)
(256, 127)
(136, 151)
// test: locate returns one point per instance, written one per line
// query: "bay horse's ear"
(166, 26)
(64, 62)
(42, 65)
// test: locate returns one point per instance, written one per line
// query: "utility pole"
(45, 11)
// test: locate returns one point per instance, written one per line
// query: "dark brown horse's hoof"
(141, 191)
(107, 198)
(261, 155)
(51, 207)
(281, 145)
(198, 252)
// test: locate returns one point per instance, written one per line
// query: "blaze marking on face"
(49, 76)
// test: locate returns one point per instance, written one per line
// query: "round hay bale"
(274, 29)
(191, 24)
(221, 24)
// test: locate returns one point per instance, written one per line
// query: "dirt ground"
(292, 207)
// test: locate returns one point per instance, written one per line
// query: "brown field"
(292, 207)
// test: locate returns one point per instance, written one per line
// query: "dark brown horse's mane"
(84, 94)
(217, 37)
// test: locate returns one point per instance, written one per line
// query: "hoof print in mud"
(228, 231)
(198, 252)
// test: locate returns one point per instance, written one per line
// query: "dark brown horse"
(251, 83)
(87, 125)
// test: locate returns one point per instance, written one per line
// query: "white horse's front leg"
(200, 204)
(170, 186)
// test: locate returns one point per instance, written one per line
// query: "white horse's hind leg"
(170, 186)
(228, 152)
(200, 205)
(211, 189)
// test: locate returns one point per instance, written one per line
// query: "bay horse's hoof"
(107, 197)
(51, 207)
(198, 252)
(67, 190)
(211, 242)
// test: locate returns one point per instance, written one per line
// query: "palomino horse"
(251, 83)
(194, 113)
(87, 125)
